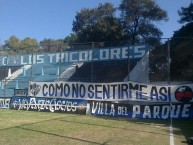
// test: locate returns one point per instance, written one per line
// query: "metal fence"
(172, 61)
(169, 62)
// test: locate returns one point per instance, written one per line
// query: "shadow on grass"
(113, 127)
(48, 133)
(53, 134)
(185, 128)
(35, 122)
(182, 127)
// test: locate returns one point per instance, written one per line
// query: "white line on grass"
(171, 135)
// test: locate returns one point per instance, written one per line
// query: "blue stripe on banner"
(156, 111)
(49, 104)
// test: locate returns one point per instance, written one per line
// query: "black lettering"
(51, 89)
(124, 91)
(82, 91)
(136, 87)
(66, 90)
(45, 86)
(163, 92)
(97, 91)
(141, 93)
(75, 90)
(114, 86)
(154, 93)
(59, 88)
(106, 92)
(90, 91)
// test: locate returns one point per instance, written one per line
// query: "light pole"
(128, 67)
(92, 65)
(169, 61)
(32, 59)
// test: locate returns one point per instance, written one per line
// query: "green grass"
(43, 128)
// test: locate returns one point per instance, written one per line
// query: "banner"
(156, 111)
(99, 54)
(49, 104)
(21, 92)
(4, 103)
(118, 91)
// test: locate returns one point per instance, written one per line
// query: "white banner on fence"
(117, 91)
(4, 103)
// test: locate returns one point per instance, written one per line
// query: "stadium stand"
(98, 71)
(13, 75)
(104, 71)
(4, 70)
(21, 75)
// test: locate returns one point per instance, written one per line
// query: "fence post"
(169, 81)
(92, 69)
(128, 78)
(169, 61)
(32, 60)
(60, 66)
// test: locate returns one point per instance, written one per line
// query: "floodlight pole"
(169, 61)
(128, 67)
(60, 68)
(169, 81)
(32, 59)
(92, 67)
(6, 68)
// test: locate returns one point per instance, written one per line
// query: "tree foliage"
(182, 53)
(97, 24)
(28, 45)
(186, 14)
(136, 22)
(49, 45)
(14, 45)
(72, 38)
(138, 18)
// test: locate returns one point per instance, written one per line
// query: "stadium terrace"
(116, 53)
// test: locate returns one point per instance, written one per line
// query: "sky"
(53, 19)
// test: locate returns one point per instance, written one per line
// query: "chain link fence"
(169, 62)
(172, 61)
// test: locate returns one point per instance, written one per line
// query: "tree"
(186, 14)
(49, 45)
(72, 38)
(97, 24)
(29, 45)
(182, 53)
(12, 44)
(138, 19)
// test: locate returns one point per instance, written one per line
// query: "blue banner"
(49, 104)
(151, 111)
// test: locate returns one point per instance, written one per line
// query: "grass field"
(45, 128)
